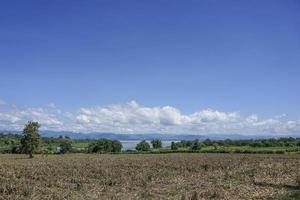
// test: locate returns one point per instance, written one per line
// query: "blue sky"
(194, 56)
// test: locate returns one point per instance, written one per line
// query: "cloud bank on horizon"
(134, 118)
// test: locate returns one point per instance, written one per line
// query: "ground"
(149, 176)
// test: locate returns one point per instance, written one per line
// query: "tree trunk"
(30, 155)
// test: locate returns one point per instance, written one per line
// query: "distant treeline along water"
(12, 143)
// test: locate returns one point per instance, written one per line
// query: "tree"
(104, 146)
(196, 145)
(49, 150)
(143, 146)
(31, 139)
(174, 146)
(156, 144)
(116, 146)
(15, 149)
(207, 142)
(65, 146)
(215, 145)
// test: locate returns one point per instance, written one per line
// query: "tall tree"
(174, 146)
(143, 146)
(156, 144)
(31, 139)
(116, 146)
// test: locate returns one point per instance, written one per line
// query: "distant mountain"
(114, 136)
(150, 136)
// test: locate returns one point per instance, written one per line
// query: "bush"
(116, 146)
(105, 146)
(65, 146)
(174, 146)
(196, 145)
(16, 149)
(143, 146)
(156, 144)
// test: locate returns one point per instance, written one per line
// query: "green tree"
(215, 145)
(15, 149)
(196, 145)
(174, 146)
(31, 139)
(143, 146)
(156, 144)
(49, 150)
(104, 146)
(116, 146)
(207, 142)
(65, 146)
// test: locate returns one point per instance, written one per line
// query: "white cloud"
(210, 115)
(134, 118)
(252, 119)
(15, 118)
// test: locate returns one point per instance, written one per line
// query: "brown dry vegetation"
(168, 176)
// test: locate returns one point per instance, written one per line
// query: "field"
(149, 176)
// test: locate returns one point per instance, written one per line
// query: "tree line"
(30, 142)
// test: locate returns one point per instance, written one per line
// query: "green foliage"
(10, 143)
(208, 142)
(30, 140)
(174, 146)
(16, 149)
(196, 145)
(156, 144)
(215, 145)
(49, 150)
(116, 146)
(288, 144)
(143, 146)
(105, 146)
(65, 146)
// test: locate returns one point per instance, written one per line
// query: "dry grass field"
(167, 176)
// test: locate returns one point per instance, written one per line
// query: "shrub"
(156, 144)
(65, 146)
(143, 146)
(196, 145)
(105, 146)
(16, 149)
(116, 146)
(174, 146)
